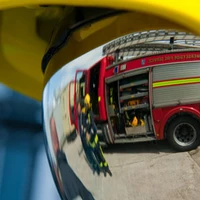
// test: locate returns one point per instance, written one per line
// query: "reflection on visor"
(96, 111)
(90, 140)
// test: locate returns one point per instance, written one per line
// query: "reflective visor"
(103, 115)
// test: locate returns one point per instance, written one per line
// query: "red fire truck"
(150, 97)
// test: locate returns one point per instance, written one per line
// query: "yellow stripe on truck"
(176, 82)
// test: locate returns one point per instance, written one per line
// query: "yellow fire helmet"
(135, 121)
(87, 100)
(32, 32)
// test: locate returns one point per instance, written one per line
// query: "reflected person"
(90, 158)
(73, 187)
(90, 131)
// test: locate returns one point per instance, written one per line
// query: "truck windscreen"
(80, 86)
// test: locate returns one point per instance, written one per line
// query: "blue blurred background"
(24, 169)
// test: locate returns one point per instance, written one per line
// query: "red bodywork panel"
(101, 90)
(155, 60)
(162, 115)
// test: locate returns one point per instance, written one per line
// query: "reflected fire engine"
(151, 96)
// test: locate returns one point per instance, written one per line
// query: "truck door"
(79, 94)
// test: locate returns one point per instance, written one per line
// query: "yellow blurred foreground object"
(29, 28)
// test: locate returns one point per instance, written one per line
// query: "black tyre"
(183, 133)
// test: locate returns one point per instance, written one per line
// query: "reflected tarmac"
(140, 171)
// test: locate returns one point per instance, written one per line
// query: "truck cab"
(91, 81)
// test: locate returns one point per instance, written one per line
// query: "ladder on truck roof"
(154, 41)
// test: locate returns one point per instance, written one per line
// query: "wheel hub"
(184, 134)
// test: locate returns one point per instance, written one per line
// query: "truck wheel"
(183, 133)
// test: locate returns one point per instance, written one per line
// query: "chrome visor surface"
(84, 165)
